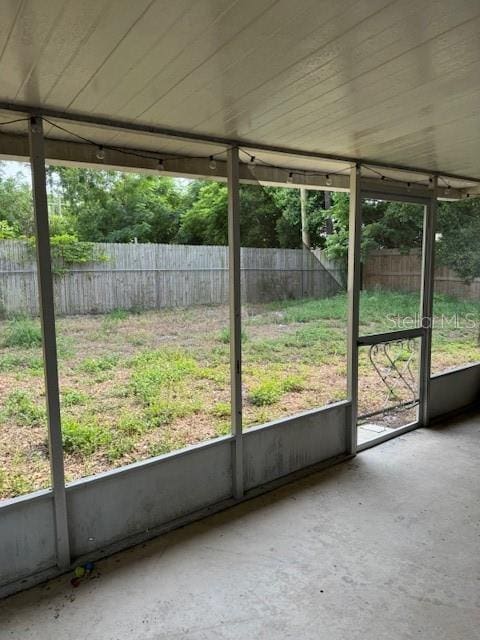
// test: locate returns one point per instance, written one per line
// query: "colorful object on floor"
(80, 572)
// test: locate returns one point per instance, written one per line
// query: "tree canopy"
(90, 205)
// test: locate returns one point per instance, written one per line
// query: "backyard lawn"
(136, 385)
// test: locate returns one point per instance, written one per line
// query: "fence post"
(306, 289)
(235, 317)
(47, 318)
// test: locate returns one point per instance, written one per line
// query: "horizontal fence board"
(155, 276)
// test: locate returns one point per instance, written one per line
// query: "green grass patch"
(119, 447)
(164, 410)
(271, 390)
(131, 424)
(20, 407)
(293, 384)
(84, 436)
(219, 374)
(99, 365)
(163, 380)
(170, 442)
(267, 392)
(223, 428)
(221, 409)
(22, 332)
(117, 314)
(65, 347)
(224, 335)
(307, 310)
(315, 342)
(15, 484)
(11, 362)
(73, 398)
(161, 369)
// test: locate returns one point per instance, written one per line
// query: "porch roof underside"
(392, 84)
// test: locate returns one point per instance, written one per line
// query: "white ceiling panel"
(381, 80)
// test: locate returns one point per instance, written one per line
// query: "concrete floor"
(385, 546)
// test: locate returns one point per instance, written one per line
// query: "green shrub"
(66, 250)
(84, 436)
(20, 407)
(22, 332)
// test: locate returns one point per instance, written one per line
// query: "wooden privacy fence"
(153, 276)
(390, 269)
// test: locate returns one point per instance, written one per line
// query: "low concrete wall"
(27, 537)
(454, 390)
(283, 447)
(126, 502)
(118, 508)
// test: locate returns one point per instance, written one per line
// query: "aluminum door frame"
(360, 190)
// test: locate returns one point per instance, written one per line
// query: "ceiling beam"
(126, 125)
(78, 154)
(67, 153)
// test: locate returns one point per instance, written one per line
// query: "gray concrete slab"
(385, 546)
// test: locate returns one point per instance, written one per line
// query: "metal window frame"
(359, 188)
(49, 342)
(428, 286)
(353, 297)
(234, 296)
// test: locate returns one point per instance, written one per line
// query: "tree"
(459, 229)
(205, 220)
(259, 216)
(92, 206)
(385, 225)
(112, 207)
(16, 209)
(269, 217)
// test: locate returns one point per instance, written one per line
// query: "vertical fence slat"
(150, 276)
